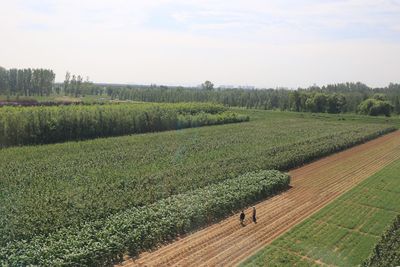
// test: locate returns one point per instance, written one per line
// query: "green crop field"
(102, 242)
(195, 133)
(51, 124)
(343, 233)
(50, 187)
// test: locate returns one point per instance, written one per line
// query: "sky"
(185, 42)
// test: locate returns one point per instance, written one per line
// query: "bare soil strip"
(313, 186)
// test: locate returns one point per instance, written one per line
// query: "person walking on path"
(242, 216)
(254, 215)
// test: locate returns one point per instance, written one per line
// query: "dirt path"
(313, 186)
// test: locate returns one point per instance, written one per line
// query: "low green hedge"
(387, 252)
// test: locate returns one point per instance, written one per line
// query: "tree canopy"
(375, 107)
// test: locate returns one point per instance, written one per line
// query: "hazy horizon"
(173, 42)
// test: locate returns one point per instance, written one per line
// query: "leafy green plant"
(375, 107)
(138, 229)
(387, 251)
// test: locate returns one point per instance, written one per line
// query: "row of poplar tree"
(27, 82)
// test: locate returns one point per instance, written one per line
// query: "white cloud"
(274, 43)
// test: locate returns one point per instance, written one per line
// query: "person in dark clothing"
(242, 216)
(254, 215)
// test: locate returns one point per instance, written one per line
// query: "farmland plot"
(135, 230)
(345, 232)
(313, 187)
(51, 187)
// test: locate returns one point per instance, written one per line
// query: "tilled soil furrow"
(274, 217)
(195, 244)
(313, 186)
(253, 236)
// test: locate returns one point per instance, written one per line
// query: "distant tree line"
(27, 82)
(74, 85)
(317, 102)
(40, 82)
(336, 98)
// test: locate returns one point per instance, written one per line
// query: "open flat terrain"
(313, 187)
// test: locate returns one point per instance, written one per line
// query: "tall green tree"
(375, 107)
(207, 85)
(396, 107)
(67, 82)
(335, 103)
(4, 81)
(295, 101)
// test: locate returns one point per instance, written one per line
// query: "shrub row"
(104, 241)
(299, 153)
(34, 103)
(387, 251)
(39, 125)
(203, 119)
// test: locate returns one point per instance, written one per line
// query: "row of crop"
(387, 251)
(203, 119)
(50, 187)
(192, 108)
(137, 229)
(39, 125)
(294, 155)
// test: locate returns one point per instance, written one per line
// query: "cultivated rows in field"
(138, 229)
(39, 125)
(345, 232)
(313, 186)
(48, 187)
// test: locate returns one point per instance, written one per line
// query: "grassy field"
(343, 233)
(354, 117)
(343, 117)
